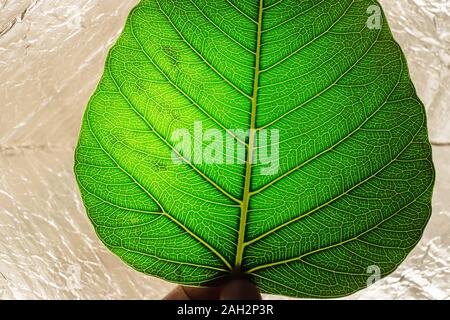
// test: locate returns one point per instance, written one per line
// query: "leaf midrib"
(251, 143)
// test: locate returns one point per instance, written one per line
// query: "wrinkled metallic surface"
(51, 57)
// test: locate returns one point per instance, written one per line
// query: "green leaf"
(325, 81)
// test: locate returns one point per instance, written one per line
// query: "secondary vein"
(164, 212)
(214, 69)
(174, 85)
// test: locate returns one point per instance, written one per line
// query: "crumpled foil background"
(51, 57)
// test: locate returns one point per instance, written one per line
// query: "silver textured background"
(51, 57)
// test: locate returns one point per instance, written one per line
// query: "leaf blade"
(353, 145)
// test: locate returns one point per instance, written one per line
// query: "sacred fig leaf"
(279, 140)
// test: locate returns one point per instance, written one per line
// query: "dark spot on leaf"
(175, 115)
(160, 165)
(172, 54)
